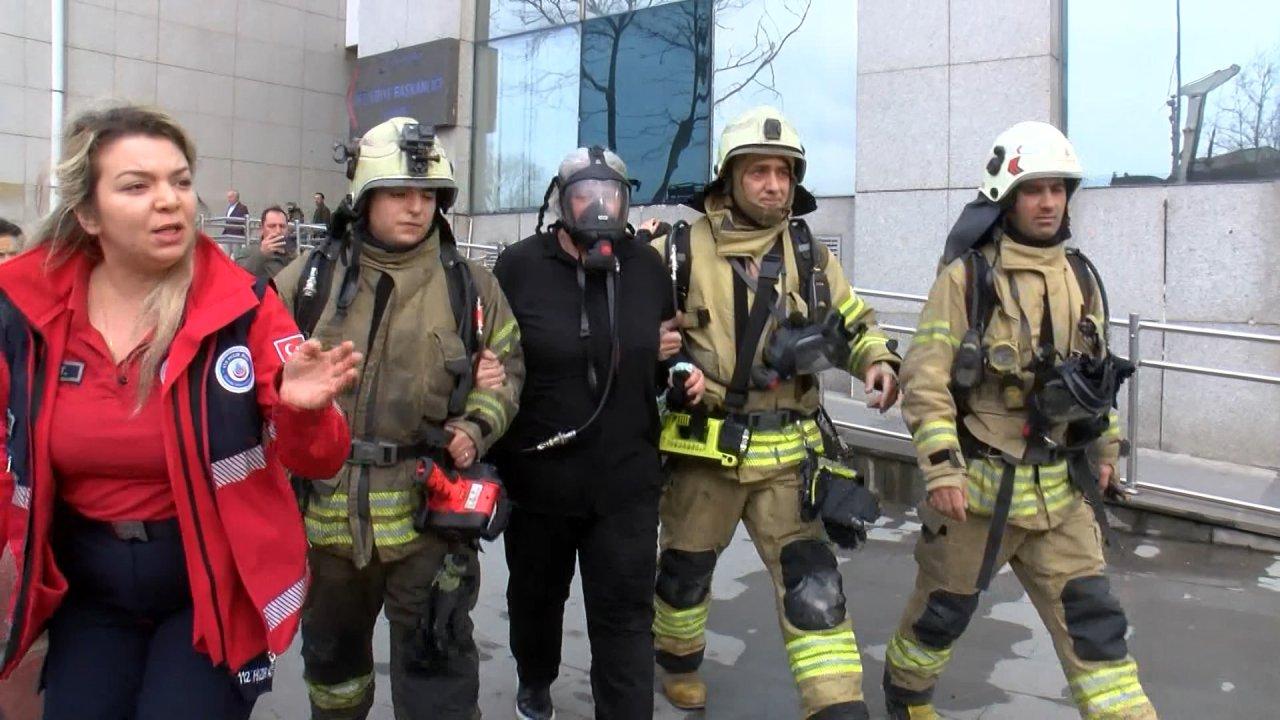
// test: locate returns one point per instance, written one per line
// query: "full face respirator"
(801, 347)
(593, 206)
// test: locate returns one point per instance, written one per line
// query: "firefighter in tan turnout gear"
(764, 308)
(391, 280)
(1009, 393)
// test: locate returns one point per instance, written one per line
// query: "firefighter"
(764, 309)
(393, 282)
(1006, 409)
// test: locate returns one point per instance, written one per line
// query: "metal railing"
(488, 253)
(1134, 325)
(249, 231)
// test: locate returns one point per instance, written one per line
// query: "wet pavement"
(1205, 630)
(1206, 633)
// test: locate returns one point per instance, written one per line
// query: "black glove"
(833, 494)
(438, 643)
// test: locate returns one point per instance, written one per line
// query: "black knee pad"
(814, 597)
(684, 578)
(945, 617)
(1095, 620)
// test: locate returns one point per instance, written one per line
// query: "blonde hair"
(78, 172)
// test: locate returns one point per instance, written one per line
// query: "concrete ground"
(1206, 632)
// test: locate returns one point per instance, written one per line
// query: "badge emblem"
(285, 347)
(234, 370)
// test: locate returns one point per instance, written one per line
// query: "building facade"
(260, 85)
(898, 102)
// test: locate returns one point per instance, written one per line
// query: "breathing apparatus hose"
(564, 437)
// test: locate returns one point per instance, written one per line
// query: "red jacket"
(228, 442)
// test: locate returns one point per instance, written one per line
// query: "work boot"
(902, 711)
(685, 690)
(856, 710)
(533, 702)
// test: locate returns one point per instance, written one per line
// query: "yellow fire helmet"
(401, 153)
(1027, 151)
(761, 130)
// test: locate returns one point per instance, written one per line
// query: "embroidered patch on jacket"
(234, 370)
(285, 347)
(72, 371)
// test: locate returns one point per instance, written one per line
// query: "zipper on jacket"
(35, 390)
(195, 513)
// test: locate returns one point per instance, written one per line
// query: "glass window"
(600, 8)
(1239, 135)
(645, 92)
(526, 116)
(799, 56)
(1125, 64)
(509, 17)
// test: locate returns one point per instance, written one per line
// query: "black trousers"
(337, 637)
(618, 557)
(120, 643)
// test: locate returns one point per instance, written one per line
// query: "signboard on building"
(419, 82)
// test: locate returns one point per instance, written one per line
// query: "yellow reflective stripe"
(984, 483)
(394, 532)
(340, 696)
(914, 657)
(1113, 425)
(1108, 690)
(864, 344)
(387, 533)
(328, 535)
(501, 341)
(687, 624)
(773, 460)
(381, 504)
(852, 308)
(936, 435)
(935, 331)
(827, 653)
(481, 402)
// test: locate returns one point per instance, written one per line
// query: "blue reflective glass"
(801, 57)
(526, 116)
(645, 93)
(1130, 64)
(499, 18)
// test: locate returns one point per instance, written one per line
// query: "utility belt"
(1079, 471)
(379, 453)
(722, 436)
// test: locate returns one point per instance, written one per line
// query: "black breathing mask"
(1080, 388)
(801, 347)
(593, 206)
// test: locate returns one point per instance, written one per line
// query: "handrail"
(1134, 325)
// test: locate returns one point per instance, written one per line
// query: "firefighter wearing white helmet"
(443, 370)
(765, 309)
(1006, 410)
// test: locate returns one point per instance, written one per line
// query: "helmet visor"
(596, 204)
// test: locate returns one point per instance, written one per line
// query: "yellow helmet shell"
(762, 130)
(383, 163)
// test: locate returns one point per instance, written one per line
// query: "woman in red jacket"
(155, 396)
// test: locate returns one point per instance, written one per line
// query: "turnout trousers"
(1061, 568)
(615, 553)
(700, 511)
(337, 636)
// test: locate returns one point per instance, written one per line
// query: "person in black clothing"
(581, 458)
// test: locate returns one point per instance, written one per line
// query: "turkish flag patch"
(287, 345)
